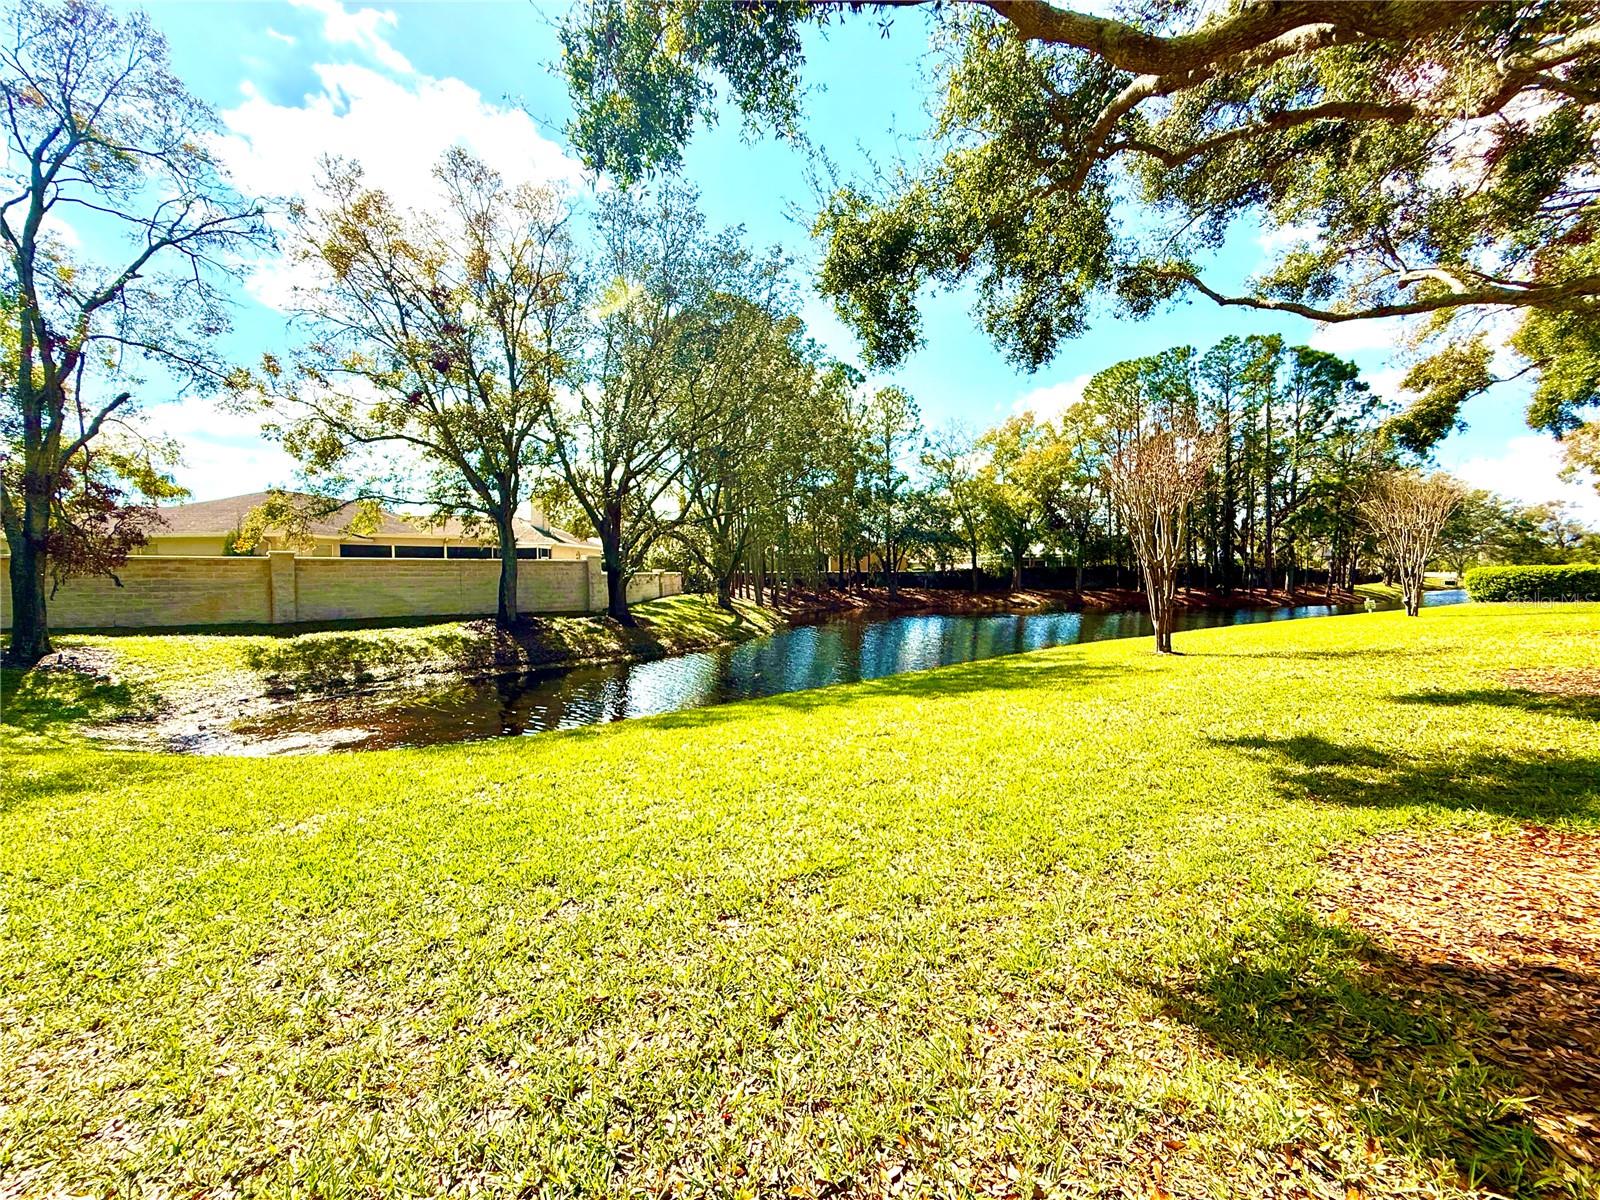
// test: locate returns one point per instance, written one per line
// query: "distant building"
(207, 528)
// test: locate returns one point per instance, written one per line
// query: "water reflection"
(791, 660)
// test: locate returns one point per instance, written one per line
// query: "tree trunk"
(30, 629)
(725, 591)
(1411, 591)
(505, 614)
(616, 576)
(974, 576)
(617, 595)
(1158, 595)
(1230, 514)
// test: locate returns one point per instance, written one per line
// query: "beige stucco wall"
(652, 585)
(161, 591)
(348, 588)
(283, 587)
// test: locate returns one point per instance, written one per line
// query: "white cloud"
(1386, 383)
(58, 227)
(1529, 471)
(367, 29)
(397, 129)
(1049, 402)
(286, 39)
(1274, 238)
(1352, 337)
(224, 453)
(1463, 160)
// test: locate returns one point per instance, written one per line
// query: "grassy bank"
(1038, 926)
(1390, 592)
(156, 673)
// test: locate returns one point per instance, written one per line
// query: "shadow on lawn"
(324, 663)
(1354, 652)
(1407, 1049)
(43, 700)
(1530, 786)
(1579, 706)
(36, 774)
(327, 662)
(47, 702)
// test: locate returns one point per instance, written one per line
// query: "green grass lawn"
(1035, 926)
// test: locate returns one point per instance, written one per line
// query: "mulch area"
(1510, 926)
(1568, 682)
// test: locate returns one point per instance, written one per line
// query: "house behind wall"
(209, 527)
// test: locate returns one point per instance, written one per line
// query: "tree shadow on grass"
(1323, 655)
(45, 701)
(1530, 786)
(1582, 707)
(38, 773)
(328, 662)
(334, 662)
(39, 706)
(1414, 1052)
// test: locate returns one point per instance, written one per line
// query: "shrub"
(1563, 581)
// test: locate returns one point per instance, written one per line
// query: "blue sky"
(397, 84)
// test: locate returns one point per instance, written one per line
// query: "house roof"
(216, 518)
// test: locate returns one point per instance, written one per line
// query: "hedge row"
(1563, 581)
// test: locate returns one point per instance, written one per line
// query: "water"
(840, 650)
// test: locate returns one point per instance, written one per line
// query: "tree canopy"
(1425, 160)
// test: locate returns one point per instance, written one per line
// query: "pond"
(838, 650)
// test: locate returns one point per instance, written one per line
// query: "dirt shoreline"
(876, 601)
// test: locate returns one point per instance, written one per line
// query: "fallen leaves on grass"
(1572, 682)
(1509, 925)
